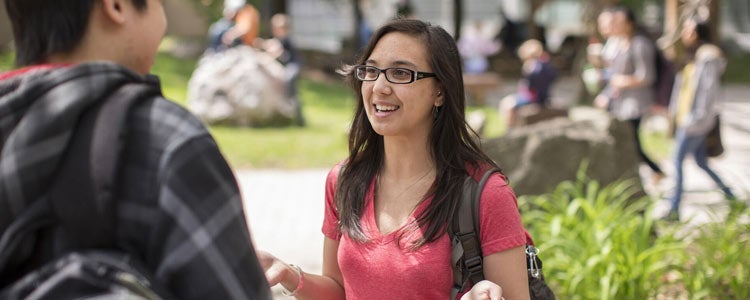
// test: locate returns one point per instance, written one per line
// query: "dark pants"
(636, 125)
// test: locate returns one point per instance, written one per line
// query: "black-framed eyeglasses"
(393, 75)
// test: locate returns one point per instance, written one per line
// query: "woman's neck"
(406, 158)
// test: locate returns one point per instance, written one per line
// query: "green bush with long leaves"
(602, 242)
(599, 242)
(718, 266)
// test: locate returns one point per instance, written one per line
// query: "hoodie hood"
(39, 111)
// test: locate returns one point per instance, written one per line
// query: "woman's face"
(400, 109)
(604, 24)
(620, 25)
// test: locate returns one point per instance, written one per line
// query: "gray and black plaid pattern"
(179, 206)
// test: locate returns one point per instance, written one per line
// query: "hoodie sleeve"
(710, 68)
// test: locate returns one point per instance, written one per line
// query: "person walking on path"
(178, 205)
(694, 107)
(387, 206)
(629, 95)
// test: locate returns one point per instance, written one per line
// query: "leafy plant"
(717, 266)
(599, 242)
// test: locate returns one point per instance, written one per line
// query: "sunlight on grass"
(495, 126)
(320, 144)
(174, 74)
(6, 61)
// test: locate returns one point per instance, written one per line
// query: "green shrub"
(599, 243)
(717, 266)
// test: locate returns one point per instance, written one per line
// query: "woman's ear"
(114, 10)
(439, 98)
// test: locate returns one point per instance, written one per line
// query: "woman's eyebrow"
(403, 63)
(398, 63)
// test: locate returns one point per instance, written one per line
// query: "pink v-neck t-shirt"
(384, 268)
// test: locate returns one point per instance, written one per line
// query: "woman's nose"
(381, 85)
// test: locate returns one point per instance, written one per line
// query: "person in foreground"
(178, 205)
(694, 107)
(388, 205)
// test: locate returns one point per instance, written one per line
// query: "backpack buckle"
(474, 265)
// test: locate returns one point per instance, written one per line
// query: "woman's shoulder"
(479, 170)
(335, 171)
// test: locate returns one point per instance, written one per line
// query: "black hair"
(630, 18)
(627, 12)
(45, 27)
(703, 31)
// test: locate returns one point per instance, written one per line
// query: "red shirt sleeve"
(331, 215)
(500, 221)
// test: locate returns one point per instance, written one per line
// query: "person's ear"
(439, 98)
(114, 10)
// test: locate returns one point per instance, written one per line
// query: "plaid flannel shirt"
(179, 206)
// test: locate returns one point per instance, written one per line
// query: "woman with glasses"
(389, 203)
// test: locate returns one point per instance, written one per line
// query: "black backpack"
(91, 266)
(467, 258)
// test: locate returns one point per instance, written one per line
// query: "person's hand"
(601, 102)
(276, 270)
(484, 290)
(622, 82)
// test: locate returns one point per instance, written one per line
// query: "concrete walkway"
(285, 207)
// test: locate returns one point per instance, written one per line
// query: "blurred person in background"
(282, 49)
(694, 107)
(538, 75)
(629, 95)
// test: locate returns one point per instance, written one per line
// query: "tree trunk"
(671, 19)
(715, 17)
(357, 38)
(534, 30)
(458, 14)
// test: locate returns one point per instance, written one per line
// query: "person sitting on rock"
(538, 75)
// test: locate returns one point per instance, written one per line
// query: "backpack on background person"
(665, 76)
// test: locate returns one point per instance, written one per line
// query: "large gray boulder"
(240, 86)
(538, 157)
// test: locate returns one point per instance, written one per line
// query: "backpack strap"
(82, 195)
(466, 258)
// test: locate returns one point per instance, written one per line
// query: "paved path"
(285, 207)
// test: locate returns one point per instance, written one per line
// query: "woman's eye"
(401, 73)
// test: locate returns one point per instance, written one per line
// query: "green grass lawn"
(320, 144)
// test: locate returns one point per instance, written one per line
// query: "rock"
(534, 113)
(538, 157)
(240, 86)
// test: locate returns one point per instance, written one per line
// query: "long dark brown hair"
(453, 145)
